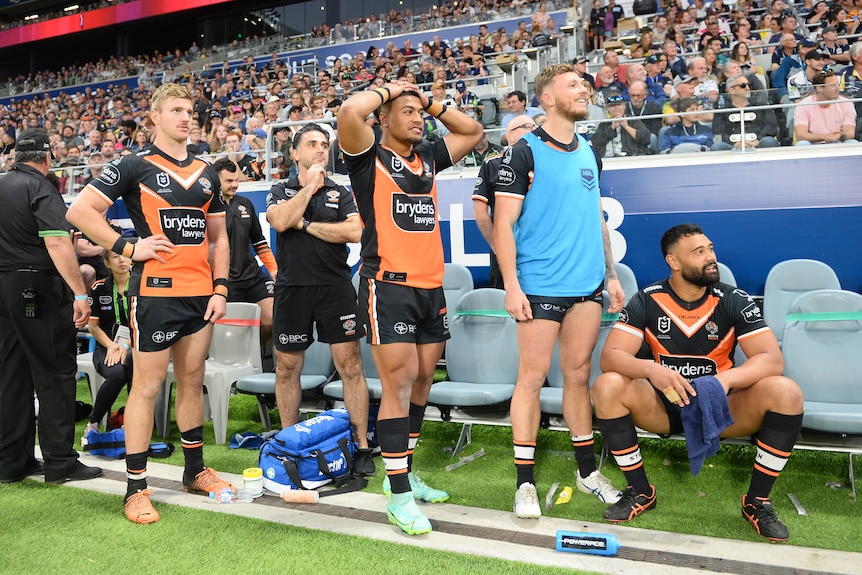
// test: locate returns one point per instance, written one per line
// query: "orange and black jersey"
(164, 196)
(243, 228)
(694, 338)
(397, 199)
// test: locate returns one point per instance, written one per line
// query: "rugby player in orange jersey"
(401, 290)
(178, 287)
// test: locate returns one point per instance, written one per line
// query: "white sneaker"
(527, 502)
(90, 427)
(600, 486)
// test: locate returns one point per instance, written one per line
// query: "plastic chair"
(457, 281)
(481, 359)
(317, 370)
(234, 352)
(551, 398)
(334, 390)
(726, 275)
(627, 280)
(822, 340)
(788, 280)
(94, 379)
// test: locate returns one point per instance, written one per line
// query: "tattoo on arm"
(610, 269)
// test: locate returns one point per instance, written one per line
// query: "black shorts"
(395, 313)
(251, 290)
(555, 308)
(159, 322)
(298, 308)
(674, 413)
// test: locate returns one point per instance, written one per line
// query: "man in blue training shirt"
(554, 254)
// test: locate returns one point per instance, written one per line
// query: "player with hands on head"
(401, 298)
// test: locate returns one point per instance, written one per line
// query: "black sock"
(525, 461)
(136, 473)
(193, 451)
(585, 454)
(393, 437)
(622, 441)
(775, 441)
(417, 414)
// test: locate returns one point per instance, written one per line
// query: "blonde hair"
(548, 73)
(169, 90)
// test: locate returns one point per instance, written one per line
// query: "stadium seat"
(317, 370)
(627, 279)
(822, 341)
(234, 352)
(481, 358)
(551, 398)
(334, 390)
(726, 274)
(457, 281)
(788, 280)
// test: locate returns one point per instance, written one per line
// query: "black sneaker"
(79, 472)
(630, 505)
(761, 515)
(363, 462)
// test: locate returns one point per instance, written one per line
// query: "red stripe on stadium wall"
(100, 18)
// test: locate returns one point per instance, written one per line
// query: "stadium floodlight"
(70, 8)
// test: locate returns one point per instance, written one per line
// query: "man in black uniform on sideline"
(247, 282)
(38, 319)
(315, 218)
(483, 192)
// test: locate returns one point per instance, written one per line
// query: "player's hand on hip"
(216, 308)
(518, 305)
(150, 247)
(618, 297)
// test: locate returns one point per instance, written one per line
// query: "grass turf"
(53, 529)
(705, 505)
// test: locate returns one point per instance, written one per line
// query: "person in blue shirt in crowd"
(687, 135)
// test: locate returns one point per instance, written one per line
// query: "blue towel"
(704, 419)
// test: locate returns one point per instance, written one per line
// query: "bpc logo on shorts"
(400, 328)
(158, 337)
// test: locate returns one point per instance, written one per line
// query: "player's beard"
(572, 112)
(699, 276)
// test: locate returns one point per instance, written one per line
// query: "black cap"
(33, 140)
(817, 54)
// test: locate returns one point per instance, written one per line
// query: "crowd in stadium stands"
(683, 59)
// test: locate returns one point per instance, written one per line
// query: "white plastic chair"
(234, 352)
(94, 380)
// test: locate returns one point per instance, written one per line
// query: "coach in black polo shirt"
(38, 320)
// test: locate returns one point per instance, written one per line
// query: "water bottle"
(592, 543)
